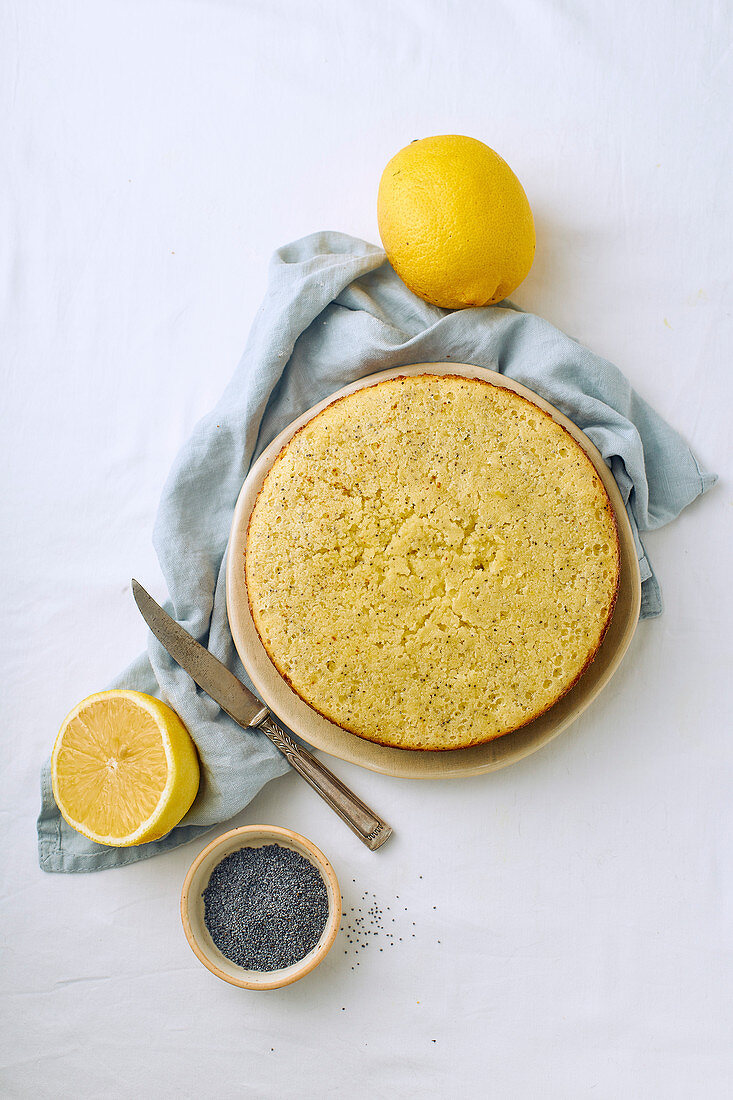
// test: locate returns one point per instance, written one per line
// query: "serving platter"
(409, 763)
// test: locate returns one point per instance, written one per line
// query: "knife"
(249, 712)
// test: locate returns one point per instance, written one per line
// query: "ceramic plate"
(409, 763)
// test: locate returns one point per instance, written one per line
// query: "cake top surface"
(431, 562)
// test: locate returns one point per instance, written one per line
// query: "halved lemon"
(124, 768)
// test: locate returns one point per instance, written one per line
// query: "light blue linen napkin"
(336, 311)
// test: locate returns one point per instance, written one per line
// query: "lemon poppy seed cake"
(431, 562)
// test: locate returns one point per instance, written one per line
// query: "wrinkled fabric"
(334, 312)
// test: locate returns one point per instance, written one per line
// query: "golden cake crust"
(422, 613)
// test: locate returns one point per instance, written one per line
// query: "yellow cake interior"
(432, 561)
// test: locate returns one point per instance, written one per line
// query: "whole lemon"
(455, 222)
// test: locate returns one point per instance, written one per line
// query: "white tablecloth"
(562, 928)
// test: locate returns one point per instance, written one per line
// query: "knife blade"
(250, 712)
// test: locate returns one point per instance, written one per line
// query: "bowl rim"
(271, 834)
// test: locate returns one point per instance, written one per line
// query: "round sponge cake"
(431, 562)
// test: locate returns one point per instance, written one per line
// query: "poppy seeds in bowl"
(265, 908)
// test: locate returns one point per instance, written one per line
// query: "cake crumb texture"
(431, 562)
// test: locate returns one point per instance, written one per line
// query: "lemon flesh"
(455, 222)
(124, 769)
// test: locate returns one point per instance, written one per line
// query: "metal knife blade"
(208, 672)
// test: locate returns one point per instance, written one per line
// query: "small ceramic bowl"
(192, 906)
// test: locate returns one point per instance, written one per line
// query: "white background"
(154, 154)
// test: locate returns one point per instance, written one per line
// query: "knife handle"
(370, 829)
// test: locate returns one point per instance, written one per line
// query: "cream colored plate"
(410, 763)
